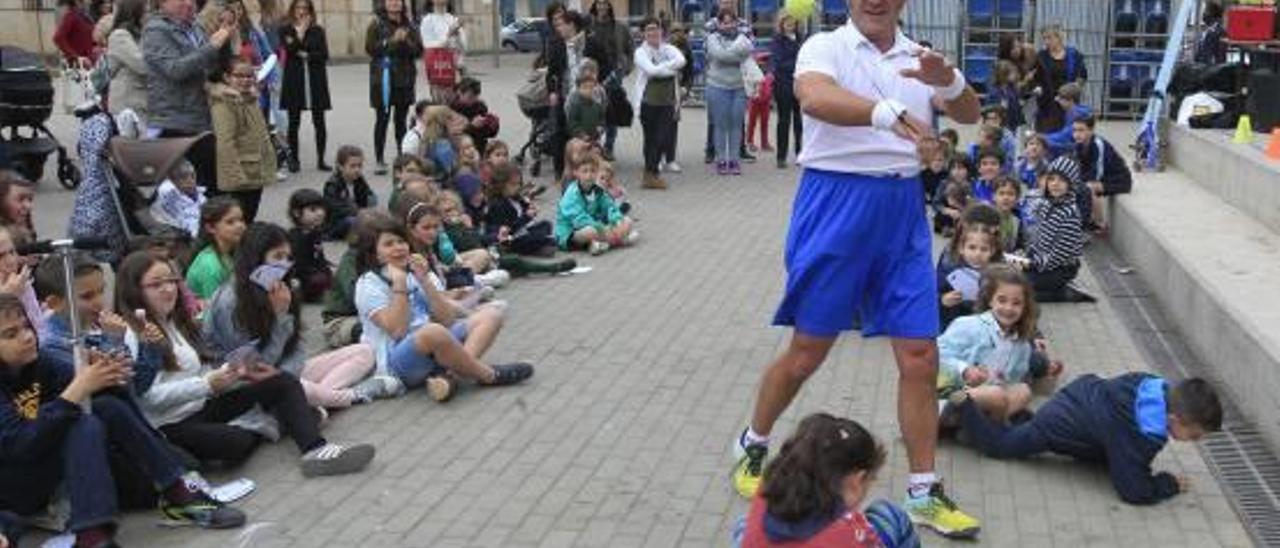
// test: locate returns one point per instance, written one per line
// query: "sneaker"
(662, 166)
(378, 387)
(782, 164)
(747, 157)
(332, 459)
(936, 511)
(494, 278)
(749, 471)
(282, 175)
(512, 373)
(633, 237)
(722, 168)
(598, 247)
(735, 168)
(440, 388)
(709, 158)
(323, 167)
(674, 167)
(204, 512)
(381, 169)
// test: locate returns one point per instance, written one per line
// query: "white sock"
(750, 437)
(918, 485)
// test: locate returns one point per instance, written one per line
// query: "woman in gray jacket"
(726, 96)
(128, 89)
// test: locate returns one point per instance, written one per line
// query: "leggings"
(208, 437)
(758, 117)
(398, 113)
(327, 378)
(317, 122)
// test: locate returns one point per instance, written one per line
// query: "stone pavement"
(647, 367)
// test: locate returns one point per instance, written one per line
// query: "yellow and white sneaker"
(936, 511)
(749, 470)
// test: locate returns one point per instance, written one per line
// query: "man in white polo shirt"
(859, 243)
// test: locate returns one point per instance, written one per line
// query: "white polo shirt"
(858, 65)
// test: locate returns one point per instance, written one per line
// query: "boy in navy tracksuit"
(1123, 421)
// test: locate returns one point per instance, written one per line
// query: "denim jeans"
(728, 108)
(80, 462)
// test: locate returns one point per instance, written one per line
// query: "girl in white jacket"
(657, 96)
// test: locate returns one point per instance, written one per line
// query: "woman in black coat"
(306, 78)
(1058, 64)
(571, 28)
(394, 46)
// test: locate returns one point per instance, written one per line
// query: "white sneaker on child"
(494, 278)
(633, 237)
(674, 167)
(598, 247)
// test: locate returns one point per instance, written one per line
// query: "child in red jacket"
(758, 109)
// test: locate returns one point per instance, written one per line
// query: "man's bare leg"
(918, 400)
(784, 377)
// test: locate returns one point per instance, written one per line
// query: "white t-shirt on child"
(373, 293)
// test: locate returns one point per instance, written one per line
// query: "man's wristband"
(955, 90)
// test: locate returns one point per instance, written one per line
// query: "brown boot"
(653, 181)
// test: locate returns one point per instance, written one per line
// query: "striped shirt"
(1059, 239)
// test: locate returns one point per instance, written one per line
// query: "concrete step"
(1216, 273)
(1238, 174)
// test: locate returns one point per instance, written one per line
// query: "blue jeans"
(412, 366)
(728, 108)
(80, 461)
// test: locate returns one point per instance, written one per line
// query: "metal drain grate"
(1246, 468)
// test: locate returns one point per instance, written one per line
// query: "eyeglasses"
(161, 284)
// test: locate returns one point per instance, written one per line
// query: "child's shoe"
(440, 388)
(197, 508)
(494, 278)
(598, 247)
(513, 373)
(633, 237)
(332, 459)
(378, 387)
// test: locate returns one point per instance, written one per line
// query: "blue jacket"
(1061, 141)
(1121, 421)
(978, 340)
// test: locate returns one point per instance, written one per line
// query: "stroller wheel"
(68, 174)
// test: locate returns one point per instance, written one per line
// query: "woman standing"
(657, 97)
(74, 36)
(616, 38)
(129, 73)
(726, 97)
(442, 30)
(564, 59)
(784, 50)
(393, 47)
(306, 78)
(1058, 65)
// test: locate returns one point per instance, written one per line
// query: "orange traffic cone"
(1273, 145)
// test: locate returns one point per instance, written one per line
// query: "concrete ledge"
(1216, 273)
(1238, 174)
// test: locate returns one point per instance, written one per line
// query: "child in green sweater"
(585, 116)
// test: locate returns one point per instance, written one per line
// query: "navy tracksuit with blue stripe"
(1119, 421)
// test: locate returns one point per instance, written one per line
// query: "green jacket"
(341, 299)
(577, 211)
(207, 271)
(585, 116)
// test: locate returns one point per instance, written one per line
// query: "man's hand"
(934, 69)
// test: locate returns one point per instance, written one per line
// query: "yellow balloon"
(802, 10)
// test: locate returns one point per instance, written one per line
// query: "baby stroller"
(26, 103)
(534, 104)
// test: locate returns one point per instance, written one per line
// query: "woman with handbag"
(445, 42)
(306, 78)
(393, 47)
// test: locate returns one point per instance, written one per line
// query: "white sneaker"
(633, 237)
(674, 167)
(332, 459)
(282, 175)
(662, 166)
(494, 278)
(598, 247)
(378, 387)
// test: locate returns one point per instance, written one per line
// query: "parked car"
(524, 34)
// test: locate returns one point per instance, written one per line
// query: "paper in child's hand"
(966, 281)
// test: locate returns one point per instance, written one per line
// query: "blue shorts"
(859, 246)
(412, 367)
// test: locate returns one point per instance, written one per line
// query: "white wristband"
(886, 113)
(955, 90)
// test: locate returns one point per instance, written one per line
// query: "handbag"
(618, 112)
(441, 66)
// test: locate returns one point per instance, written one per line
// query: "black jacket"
(33, 418)
(557, 56)
(340, 200)
(308, 251)
(312, 72)
(1099, 161)
(403, 56)
(512, 213)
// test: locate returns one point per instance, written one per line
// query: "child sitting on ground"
(470, 242)
(1102, 168)
(1123, 421)
(1057, 244)
(1062, 141)
(609, 181)
(178, 200)
(951, 198)
(585, 115)
(1008, 196)
(989, 354)
(482, 125)
(814, 490)
(588, 218)
(308, 214)
(989, 161)
(950, 139)
(511, 219)
(990, 138)
(974, 247)
(1034, 159)
(221, 226)
(15, 279)
(404, 165)
(934, 169)
(995, 116)
(50, 441)
(346, 192)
